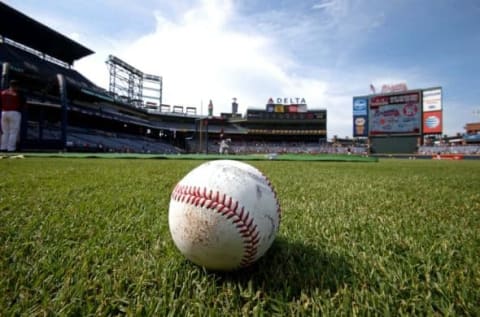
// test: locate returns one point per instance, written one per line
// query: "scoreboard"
(316, 115)
(412, 112)
(395, 114)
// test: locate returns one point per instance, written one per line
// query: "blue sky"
(325, 51)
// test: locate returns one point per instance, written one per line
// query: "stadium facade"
(66, 111)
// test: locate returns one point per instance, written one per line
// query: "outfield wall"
(394, 144)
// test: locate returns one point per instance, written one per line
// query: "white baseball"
(224, 215)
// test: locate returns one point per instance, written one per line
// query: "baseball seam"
(228, 208)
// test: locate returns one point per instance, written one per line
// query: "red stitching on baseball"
(227, 207)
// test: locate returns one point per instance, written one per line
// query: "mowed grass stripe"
(90, 236)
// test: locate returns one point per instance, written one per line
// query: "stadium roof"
(24, 30)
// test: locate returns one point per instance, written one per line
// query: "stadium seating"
(91, 140)
(244, 147)
(449, 149)
(79, 139)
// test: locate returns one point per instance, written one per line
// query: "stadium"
(67, 112)
(84, 204)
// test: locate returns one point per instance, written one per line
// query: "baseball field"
(90, 236)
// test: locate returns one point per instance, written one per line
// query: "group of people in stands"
(469, 149)
(252, 147)
(12, 104)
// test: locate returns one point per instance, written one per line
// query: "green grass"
(243, 157)
(90, 237)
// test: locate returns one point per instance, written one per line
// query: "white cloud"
(202, 55)
(201, 58)
(323, 5)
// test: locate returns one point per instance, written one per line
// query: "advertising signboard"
(360, 106)
(360, 126)
(432, 100)
(286, 105)
(293, 108)
(395, 114)
(432, 122)
(360, 116)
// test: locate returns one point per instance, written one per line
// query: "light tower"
(234, 106)
(130, 85)
(210, 108)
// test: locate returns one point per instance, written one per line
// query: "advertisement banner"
(302, 108)
(360, 126)
(432, 122)
(293, 108)
(394, 88)
(432, 100)
(395, 114)
(360, 106)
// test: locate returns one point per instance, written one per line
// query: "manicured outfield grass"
(90, 237)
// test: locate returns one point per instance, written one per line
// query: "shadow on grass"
(290, 268)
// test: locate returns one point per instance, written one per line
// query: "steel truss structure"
(130, 85)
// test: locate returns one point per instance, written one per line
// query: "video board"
(395, 114)
(254, 114)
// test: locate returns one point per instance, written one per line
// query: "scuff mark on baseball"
(224, 215)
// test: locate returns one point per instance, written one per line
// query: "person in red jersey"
(12, 103)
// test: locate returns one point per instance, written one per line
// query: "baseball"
(224, 215)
